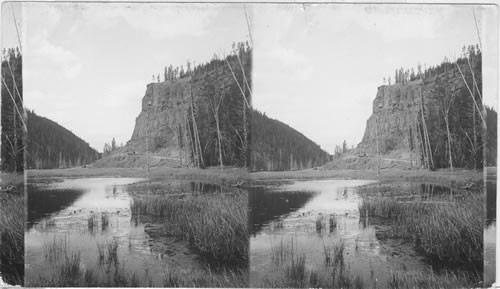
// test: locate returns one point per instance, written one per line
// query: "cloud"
(58, 61)
(158, 20)
(43, 59)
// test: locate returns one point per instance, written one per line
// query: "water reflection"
(267, 208)
(490, 226)
(85, 214)
(313, 215)
(44, 202)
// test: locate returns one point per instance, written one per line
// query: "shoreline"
(229, 175)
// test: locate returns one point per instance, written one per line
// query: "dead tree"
(446, 110)
(215, 105)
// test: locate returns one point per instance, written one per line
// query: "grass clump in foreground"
(216, 224)
(12, 233)
(64, 269)
(451, 232)
(290, 269)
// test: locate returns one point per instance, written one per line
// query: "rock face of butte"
(163, 118)
(168, 110)
(397, 109)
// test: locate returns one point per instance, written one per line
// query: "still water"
(289, 213)
(59, 211)
(490, 226)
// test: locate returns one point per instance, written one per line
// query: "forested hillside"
(276, 146)
(12, 111)
(491, 137)
(50, 145)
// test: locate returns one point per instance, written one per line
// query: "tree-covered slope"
(12, 116)
(276, 146)
(50, 145)
(491, 137)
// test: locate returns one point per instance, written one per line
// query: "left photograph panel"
(13, 123)
(137, 143)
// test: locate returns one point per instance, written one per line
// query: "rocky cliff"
(200, 119)
(405, 114)
(163, 119)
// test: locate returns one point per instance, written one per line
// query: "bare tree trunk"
(245, 137)
(215, 110)
(475, 134)
(191, 136)
(449, 140)
(179, 141)
(426, 134)
(423, 142)
(219, 139)
(195, 129)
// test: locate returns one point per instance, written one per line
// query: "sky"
(316, 67)
(87, 65)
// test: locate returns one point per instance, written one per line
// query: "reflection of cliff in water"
(265, 206)
(44, 202)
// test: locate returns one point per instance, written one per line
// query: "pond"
(312, 218)
(91, 218)
(490, 226)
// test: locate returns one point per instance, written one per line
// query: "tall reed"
(448, 231)
(215, 224)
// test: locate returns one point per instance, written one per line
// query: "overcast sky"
(86, 65)
(316, 67)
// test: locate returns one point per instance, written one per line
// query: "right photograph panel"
(373, 146)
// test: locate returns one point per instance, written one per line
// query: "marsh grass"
(451, 232)
(280, 253)
(216, 224)
(290, 269)
(292, 272)
(67, 271)
(224, 279)
(112, 249)
(12, 230)
(332, 222)
(64, 268)
(55, 250)
(104, 221)
(319, 224)
(410, 280)
(12, 227)
(101, 253)
(92, 222)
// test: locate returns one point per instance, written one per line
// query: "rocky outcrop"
(188, 120)
(397, 111)
(163, 118)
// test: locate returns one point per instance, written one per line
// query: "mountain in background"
(49, 145)
(276, 146)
